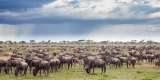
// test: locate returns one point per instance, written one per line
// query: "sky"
(98, 20)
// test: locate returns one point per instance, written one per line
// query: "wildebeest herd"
(39, 61)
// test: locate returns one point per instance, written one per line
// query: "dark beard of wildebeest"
(42, 66)
(91, 62)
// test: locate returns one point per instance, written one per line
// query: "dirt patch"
(4, 57)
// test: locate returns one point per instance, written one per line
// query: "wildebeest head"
(87, 68)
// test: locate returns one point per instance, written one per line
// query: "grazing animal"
(91, 63)
(54, 64)
(42, 66)
(21, 68)
(131, 61)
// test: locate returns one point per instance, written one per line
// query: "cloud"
(101, 9)
(155, 15)
(125, 33)
(155, 3)
(21, 5)
(81, 8)
(80, 11)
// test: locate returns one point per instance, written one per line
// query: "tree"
(49, 41)
(141, 42)
(8, 42)
(22, 42)
(133, 41)
(32, 41)
(1, 42)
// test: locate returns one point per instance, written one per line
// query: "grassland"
(141, 72)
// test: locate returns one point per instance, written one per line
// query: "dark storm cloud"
(82, 22)
(21, 5)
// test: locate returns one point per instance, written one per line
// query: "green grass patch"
(77, 73)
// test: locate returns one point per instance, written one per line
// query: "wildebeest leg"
(127, 64)
(133, 64)
(71, 65)
(51, 68)
(68, 66)
(16, 72)
(93, 70)
(44, 72)
(104, 69)
(110, 66)
(116, 65)
(62, 65)
(59, 66)
(47, 71)
(40, 71)
(25, 71)
(6, 70)
(11, 69)
(119, 65)
(56, 68)
(30, 69)
(0, 69)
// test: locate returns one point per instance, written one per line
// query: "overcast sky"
(57, 20)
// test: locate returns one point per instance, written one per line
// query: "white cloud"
(82, 8)
(155, 3)
(155, 15)
(88, 9)
(97, 8)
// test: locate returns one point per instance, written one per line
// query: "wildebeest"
(3, 65)
(54, 64)
(42, 66)
(131, 61)
(113, 61)
(21, 68)
(66, 59)
(91, 62)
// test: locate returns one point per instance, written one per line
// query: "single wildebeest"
(66, 59)
(157, 63)
(116, 62)
(21, 68)
(91, 62)
(131, 61)
(33, 62)
(3, 65)
(42, 66)
(54, 64)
